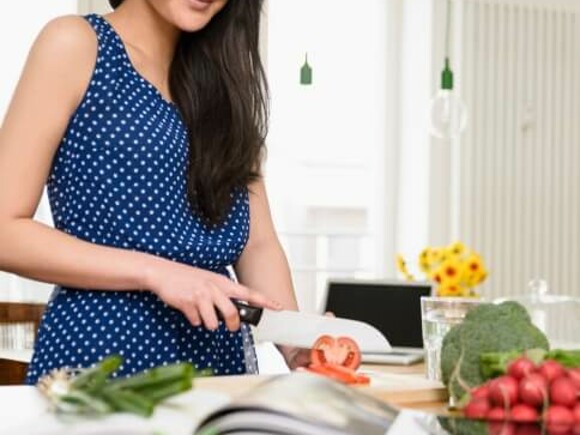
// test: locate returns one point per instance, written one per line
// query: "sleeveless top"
(119, 179)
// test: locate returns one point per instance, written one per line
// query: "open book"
(301, 403)
(306, 404)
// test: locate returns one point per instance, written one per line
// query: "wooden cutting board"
(400, 386)
(404, 388)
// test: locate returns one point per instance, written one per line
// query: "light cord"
(447, 29)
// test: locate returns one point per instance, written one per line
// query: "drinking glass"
(439, 315)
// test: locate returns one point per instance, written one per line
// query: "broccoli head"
(504, 327)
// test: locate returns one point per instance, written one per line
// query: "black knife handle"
(248, 313)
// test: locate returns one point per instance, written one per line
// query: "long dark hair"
(219, 85)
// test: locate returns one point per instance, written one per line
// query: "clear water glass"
(439, 315)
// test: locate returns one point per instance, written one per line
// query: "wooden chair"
(26, 317)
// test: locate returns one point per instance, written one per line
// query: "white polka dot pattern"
(119, 179)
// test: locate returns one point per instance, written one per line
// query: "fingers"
(295, 357)
(193, 316)
(215, 292)
(301, 358)
(253, 297)
(256, 298)
(205, 306)
(228, 311)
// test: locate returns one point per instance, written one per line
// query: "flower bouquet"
(456, 269)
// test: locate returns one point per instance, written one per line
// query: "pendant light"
(306, 72)
(448, 113)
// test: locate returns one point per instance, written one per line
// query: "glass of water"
(439, 315)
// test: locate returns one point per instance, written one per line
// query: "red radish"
(476, 408)
(574, 375)
(503, 391)
(576, 412)
(528, 429)
(558, 429)
(521, 367)
(501, 428)
(558, 415)
(481, 392)
(551, 370)
(524, 413)
(533, 389)
(497, 413)
(563, 392)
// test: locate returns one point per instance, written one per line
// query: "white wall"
(93, 6)
(327, 143)
(414, 183)
(20, 23)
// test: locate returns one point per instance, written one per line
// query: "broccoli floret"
(487, 328)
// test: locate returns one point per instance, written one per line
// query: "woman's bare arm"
(263, 265)
(55, 76)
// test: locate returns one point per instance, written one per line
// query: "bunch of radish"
(530, 393)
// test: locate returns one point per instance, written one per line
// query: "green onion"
(128, 401)
(92, 391)
(158, 375)
(157, 393)
(95, 376)
(82, 403)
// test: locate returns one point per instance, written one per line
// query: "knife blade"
(294, 328)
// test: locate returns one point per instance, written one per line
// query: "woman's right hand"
(197, 293)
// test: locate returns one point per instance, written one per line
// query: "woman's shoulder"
(69, 35)
(65, 53)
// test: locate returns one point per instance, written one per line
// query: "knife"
(293, 328)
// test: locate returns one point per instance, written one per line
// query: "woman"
(147, 125)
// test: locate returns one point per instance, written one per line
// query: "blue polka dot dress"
(119, 179)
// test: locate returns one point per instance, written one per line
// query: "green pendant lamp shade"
(447, 76)
(306, 72)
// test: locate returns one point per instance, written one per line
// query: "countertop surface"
(24, 410)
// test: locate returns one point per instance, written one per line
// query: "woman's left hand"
(297, 357)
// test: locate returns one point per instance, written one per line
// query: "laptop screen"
(394, 308)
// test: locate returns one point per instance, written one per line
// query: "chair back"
(18, 327)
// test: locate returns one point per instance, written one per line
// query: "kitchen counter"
(23, 410)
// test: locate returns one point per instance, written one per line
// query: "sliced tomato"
(331, 372)
(363, 379)
(340, 373)
(353, 357)
(347, 372)
(341, 351)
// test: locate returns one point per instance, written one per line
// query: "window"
(327, 141)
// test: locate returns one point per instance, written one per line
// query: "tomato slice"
(340, 373)
(327, 371)
(342, 351)
(321, 346)
(362, 379)
(353, 357)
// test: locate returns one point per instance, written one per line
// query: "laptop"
(393, 307)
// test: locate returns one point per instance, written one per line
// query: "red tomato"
(340, 373)
(353, 358)
(330, 372)
(342, 351)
